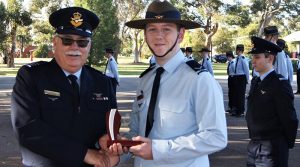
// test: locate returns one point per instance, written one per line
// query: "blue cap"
(74, 20)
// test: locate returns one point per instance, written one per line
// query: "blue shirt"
(280, 65)
(189, 121)
(207, 65)
(112, 68)
(242, 66)
(230, 66)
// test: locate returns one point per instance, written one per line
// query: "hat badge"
(159, 16)
(76, 20)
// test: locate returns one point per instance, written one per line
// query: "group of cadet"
(59, 107)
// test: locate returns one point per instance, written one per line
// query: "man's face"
(162, 36)
(261, 63)
(71, 55)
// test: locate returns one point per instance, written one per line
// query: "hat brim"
(141, 24)
(74, 32)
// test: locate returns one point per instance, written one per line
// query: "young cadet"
(111, 69)
(230, 72)
(281, 65)
(58, 107)
(282, 44)
(271, 117)
(241, 78)
(189, 53)
(178, 127)
(206, 63)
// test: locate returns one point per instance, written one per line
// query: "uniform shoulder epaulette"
(35, 64)
(92, 69)
(146, 71)
(281, 77)
(207, 58)
(243, 57)
(196, 66)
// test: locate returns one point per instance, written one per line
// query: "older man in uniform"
(178, 127)
(271, 116)
(240, 80)
(59, 107)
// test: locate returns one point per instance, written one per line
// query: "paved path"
(233, 155)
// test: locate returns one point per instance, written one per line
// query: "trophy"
(113, 124)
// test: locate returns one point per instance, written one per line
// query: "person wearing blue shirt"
(230, 73)
(282, 44)
(111, 69)
(179, 125)
(281, 65)
(298, 75)
(241, 78)
(271, 117)
(206, 63)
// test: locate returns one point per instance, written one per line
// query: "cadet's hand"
(143, 150)
(117, 149)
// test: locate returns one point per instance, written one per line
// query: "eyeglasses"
(69, 41)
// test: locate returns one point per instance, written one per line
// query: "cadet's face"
(71, 55)
(162, 36)
(261, 63)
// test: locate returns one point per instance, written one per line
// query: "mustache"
(73, 53)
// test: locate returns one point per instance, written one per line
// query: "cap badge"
(159, 16)
(76, 20)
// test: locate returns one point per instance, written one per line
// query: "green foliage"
(238, 15)
(41, 51)
(223, 40)
(106, 35)
(3, 17)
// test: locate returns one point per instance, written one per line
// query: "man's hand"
(103, 142)
(93, 157)
(143, 150)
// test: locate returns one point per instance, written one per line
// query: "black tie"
(154, 93)
(76, 95)
(228, 68)
(237, 60)
(257, 83)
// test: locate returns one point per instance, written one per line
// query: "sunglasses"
(69, 41)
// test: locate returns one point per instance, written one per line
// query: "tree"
(106, 34)
(3, 34)
(16, 17)
(132, 40)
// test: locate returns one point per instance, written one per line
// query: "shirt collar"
(77, 74)
(265, 74)
(174, 62)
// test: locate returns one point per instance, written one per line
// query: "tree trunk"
(10, 61)
(136, 48)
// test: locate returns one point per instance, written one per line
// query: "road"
(234, 155)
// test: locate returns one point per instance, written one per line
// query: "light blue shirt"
(242, 66)
(262, 77)
(231, 65)
(189, 121)
(280, 65)
(206, 63)
(112, 68)
(290, 68)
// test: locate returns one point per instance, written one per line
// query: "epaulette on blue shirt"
(196, 66)
(35, 64)
(146, 71)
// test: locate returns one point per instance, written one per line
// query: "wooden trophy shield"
(113, 124)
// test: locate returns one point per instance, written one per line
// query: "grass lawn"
(126, 66)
